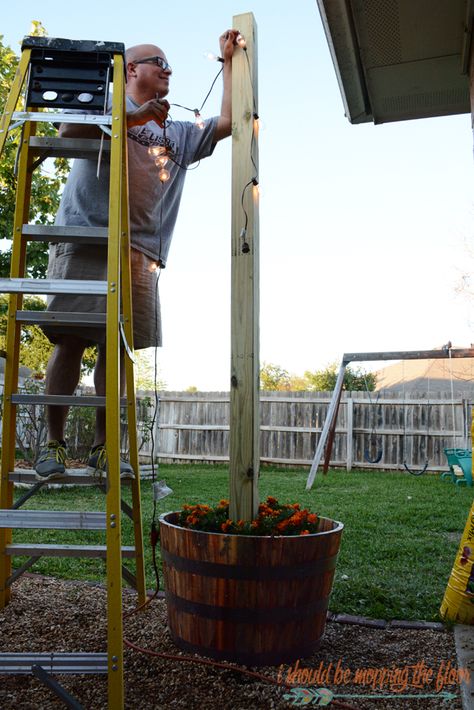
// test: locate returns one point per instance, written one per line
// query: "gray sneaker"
(51, 461)
(97, 463)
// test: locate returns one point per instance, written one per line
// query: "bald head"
(146, 79)
(140, 51)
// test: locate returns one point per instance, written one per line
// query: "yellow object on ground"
(458, 602)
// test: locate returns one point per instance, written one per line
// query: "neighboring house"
(430, 376)
(400, 59)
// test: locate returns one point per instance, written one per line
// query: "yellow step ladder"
(59, 73)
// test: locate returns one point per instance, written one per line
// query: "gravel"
(50, 615)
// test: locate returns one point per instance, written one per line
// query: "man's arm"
(79, 130)
(224, 122)
(153, 110)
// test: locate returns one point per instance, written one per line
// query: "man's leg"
(100, 386)
(62, 377)
(97, 458)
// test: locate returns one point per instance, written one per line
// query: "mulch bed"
(50, 615)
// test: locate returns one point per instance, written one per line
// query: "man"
(153, 211)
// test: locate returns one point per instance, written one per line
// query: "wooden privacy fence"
(415, 429)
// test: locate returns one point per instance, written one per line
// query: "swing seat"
(459, 459)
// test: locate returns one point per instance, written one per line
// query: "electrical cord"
(206, 97)
(224, 666)
(254, 180)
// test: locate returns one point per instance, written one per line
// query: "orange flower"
(273, 518)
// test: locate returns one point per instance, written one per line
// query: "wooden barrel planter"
(248, 599)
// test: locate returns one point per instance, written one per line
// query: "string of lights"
(245, 247)
(162, 154)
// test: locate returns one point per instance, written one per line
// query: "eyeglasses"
(159, 61)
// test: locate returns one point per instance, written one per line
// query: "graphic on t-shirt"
(147, 138)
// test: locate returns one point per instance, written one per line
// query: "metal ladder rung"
(64, 550)
(54, 233)
(21, 663)
(52, 519)
(62, 400)
(59, 117)
(73, 477)
(70, 286)
(67, 147)
(60, 318)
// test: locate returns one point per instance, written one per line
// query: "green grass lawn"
(400, 537)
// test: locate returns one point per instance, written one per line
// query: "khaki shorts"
(89, 262)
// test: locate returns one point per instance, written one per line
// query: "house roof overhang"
(400, 59)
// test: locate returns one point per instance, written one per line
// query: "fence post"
(349, 430)
(466, 422)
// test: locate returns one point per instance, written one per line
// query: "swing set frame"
(326, 439)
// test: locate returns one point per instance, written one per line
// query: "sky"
(365, 230)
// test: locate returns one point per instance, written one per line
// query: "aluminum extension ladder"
(60, 73)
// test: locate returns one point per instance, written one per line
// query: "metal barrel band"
(248, 615)
(249, 572)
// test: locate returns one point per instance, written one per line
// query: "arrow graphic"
(411, 696)
(323, 696)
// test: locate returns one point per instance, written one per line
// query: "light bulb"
(241, 41)
(258, 124)
(257, 193)
(164, 175)
(198, 119)
(212, 57)
(156, 150)
(161, 161)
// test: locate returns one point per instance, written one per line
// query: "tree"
(147, 375)
(35, 348)
(274, 377)
(45, 188)
(355, 379)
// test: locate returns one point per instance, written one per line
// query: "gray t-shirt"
(153, 204)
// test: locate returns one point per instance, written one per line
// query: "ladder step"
(59, 117)
(60, 318)
(21, 663)
(73, 477)
(54, 233)
(71, 286)
(63, 400)
(64, 550)
(52, 519)
(53, 147)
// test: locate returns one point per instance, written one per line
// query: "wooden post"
(244, 443)
(349, 430)
(471, 91)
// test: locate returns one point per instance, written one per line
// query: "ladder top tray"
(72, 45)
